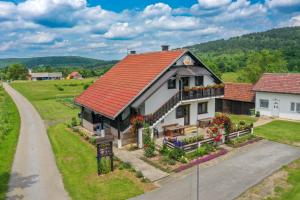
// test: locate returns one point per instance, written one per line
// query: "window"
(295, 107)
(264, 103)
(202, 108)
(172, 83)
(179, 112)
(198, 80)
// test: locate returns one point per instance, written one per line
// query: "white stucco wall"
(284, 104)
(171, 118)
(163, 94)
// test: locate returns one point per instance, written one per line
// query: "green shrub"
(242, 122)
(104, 166)
(86, 86)
(164, 150)
(145, 180)
(92, 140)
(149, 145)
(74, 122)
(125, 165)
(201, 151)
(139, 174)
(176, 153)
(183, 159)
(257, 114)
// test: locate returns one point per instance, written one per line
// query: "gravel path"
(34, 172)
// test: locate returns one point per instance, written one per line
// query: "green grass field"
(230, 77)
(76, 161)
(9, 132)
(49, 96)
(75, 158)
(237, 118)
(280, 131)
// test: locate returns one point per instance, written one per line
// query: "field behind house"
(53, 99)
(9, 132)
(76, 158)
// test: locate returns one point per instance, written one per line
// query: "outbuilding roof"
(279, 83)
(239, 92)
(117, 88)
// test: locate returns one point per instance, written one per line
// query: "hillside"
(230, 55)
(56, 61)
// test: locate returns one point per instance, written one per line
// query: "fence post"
(140, 132)
(238, 134)
(252, 130)
(223, 138)
(199, 144)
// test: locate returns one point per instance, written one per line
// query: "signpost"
(105, 149)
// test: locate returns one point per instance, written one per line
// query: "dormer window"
(199, 81)
(172, 83)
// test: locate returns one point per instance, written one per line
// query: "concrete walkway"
(34, 172)
(263, 120)
(229, 178)
(150, 172)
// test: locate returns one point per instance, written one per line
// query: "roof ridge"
(151, 52)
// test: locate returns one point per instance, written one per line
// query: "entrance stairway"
(190, 129)
(179, 98)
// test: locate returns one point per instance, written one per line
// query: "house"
(74, 75)
(239, 98)
(278, 95)
(165, 87)
(44, 76)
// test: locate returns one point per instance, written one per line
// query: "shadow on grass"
(18, 182)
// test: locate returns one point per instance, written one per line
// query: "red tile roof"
(112, 92)
(239, 92)
(74, 74)
(279, 83)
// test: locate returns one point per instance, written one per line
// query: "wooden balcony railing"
(189, 94)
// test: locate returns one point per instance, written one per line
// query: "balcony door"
(185, 81)
(186, 114)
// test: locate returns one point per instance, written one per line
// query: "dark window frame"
(172, 84)
(201, 109)
(179, 112)
(199, 80)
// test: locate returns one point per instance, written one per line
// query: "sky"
(107, 29)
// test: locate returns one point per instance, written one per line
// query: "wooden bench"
(203, 123)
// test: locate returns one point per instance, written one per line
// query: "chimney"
(132, 52)
(165, 47)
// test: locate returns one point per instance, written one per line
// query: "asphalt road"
(34, 172)
(230, 177)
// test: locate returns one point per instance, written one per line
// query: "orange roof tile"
(279, 82)
(112, 92)
(239, 92)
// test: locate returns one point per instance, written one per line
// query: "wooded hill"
(57, 61)
(231, 55)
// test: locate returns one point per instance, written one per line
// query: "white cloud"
(173, 23)
(282, 3)
(122, 31)
(294, 21)
(7, 10)
(6, 45)
(96, 45)
(156, 10)
(39, 38)
(210, 4)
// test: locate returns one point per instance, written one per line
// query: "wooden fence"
(193, 146)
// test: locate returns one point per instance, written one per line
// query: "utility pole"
(198, 170)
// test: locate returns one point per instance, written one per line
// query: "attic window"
(198, 80)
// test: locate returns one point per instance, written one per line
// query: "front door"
(186, 114)
(275, 108)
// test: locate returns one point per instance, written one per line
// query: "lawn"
(230, 77)
(76, 161)
(280, 131)
(49, 97)
(9, 132)
(237, 118)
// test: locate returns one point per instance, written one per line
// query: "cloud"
(7, 10)
(156, 10)
(39, 38)
(173, 23)
(294, 21)
(121, 31)
(212, 4)
(6, 45)
(282, 3)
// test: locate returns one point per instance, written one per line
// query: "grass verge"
(77, 163)
(9, 133)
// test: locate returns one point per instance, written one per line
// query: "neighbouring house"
(278, 95)
(164, 87)
(239, 98)
(74, 75)
(39, 76)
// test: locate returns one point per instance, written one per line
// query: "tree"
(261, 62)
(16, 72)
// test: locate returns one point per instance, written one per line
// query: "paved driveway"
(34, 171)
(229, 178)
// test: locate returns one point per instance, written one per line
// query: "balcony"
(188, 94)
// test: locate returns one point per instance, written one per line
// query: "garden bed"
(242, 141)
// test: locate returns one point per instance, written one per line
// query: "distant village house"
(74, 75)
(39, 76)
